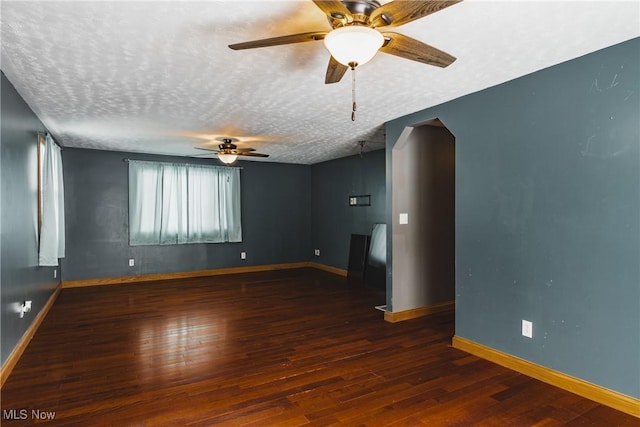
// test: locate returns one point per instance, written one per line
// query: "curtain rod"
(126, 160)
(45, 134)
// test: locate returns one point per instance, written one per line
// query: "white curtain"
(52, 241)
(173, 203)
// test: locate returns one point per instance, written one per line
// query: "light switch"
(527, 328)
(404, 218)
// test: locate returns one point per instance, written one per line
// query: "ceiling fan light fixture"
(353, 44)
(227, 158)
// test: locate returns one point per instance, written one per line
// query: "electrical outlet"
(132, 262)
(243, 255)
(316, 252)
(55, 273)
(527, 328)
(25, 307)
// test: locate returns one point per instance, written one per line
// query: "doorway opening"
(423, 221)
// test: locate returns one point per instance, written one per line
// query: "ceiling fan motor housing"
(360, 11)
(227, 146)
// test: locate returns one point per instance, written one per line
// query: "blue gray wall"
(21, 278)
(548, 215)
(332, 219)
(287, 211)
(275, 219)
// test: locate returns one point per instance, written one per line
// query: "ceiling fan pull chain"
(353, 92)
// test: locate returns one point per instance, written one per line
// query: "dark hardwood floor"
(288, 348)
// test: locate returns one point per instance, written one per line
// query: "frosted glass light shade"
(227, 158)
(355, 43)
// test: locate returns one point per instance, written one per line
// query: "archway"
(423, 222)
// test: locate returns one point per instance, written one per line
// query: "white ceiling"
(149, 76)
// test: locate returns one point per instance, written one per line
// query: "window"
(172, 203)
(41, 147)
(50, 202)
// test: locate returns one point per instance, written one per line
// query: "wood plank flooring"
(284, 348)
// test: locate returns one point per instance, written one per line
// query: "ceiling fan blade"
(205, 149)
(408, 48)
(335, 10)
(253, 154)
(275, 41)
(242, 150)
(400, 12)
(335, 71)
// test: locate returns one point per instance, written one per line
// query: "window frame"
(223, 206)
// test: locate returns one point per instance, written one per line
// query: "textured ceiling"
(152, 76)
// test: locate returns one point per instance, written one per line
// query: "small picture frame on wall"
(360, 200)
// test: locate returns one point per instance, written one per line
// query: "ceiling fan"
(355, 38)
(228, 152)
